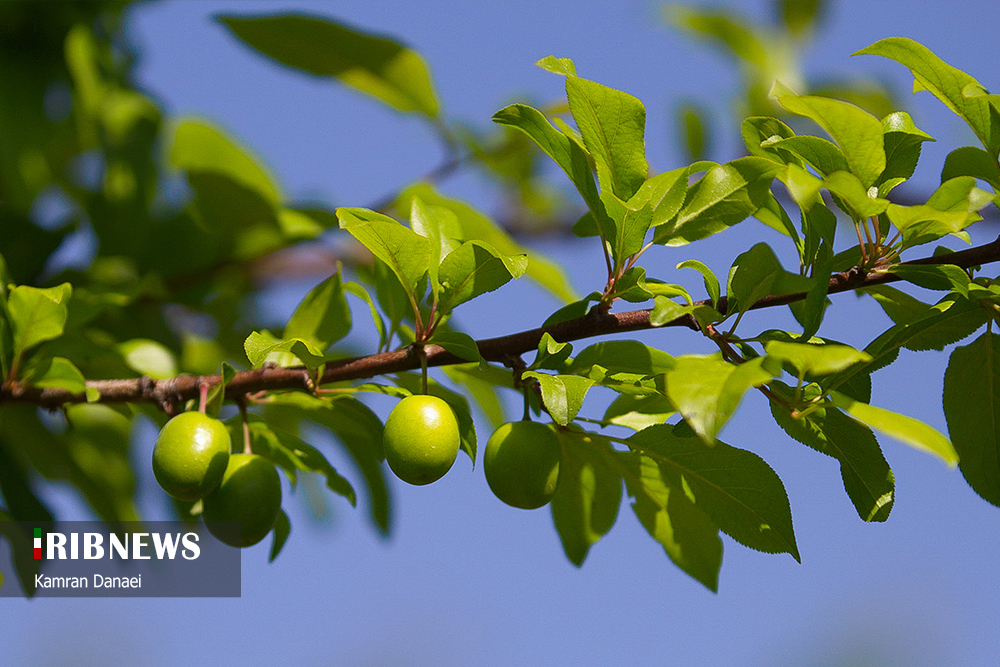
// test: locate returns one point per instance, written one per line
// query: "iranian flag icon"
(38, 543)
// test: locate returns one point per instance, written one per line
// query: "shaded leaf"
(562, 394)
(588, 494)
(972, 408)
(458, 343)
(740, 493)
(282, 528)
(868, 480)
(322, 317)
(687, 534)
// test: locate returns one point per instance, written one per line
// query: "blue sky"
(466, 580)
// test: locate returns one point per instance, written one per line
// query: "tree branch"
(169, 392)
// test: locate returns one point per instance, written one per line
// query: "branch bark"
(171, 391)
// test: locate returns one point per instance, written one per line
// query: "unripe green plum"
(521, 464)
(190, 455)
(421, 439)
(250, 492)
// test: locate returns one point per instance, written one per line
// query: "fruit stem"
(527, 406)
(202, 397)
(423, 367)
(247, 449)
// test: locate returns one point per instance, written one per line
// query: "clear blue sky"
(466, 580)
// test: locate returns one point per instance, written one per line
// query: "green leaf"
(801, 16)
(692, 119)
(289, 452)
(20, 541)
(359, 431)
(149, 357)
(725, 28)
(404, 251)
(473, 269)
(762, 133)
(373, 64)
(477, 226)
(971, 161)
(459, 344)
(803, 187)
(638, 411)
(711, 282)
(481, 382)
(855, 130)
(905, 429)
(972, 408)
(901, 307)
(946, 83)
(622, 356)
(809, 360)
(562, 394)
(868, 480)
(629, 224)
(563, 66)
(217, 392)
(757, 273)
(666, 191)
(37, 315)
(261, 345)
(740, 493)
(440, 226)
(322, 317)
(944, 277)
(903, 141)
(631, 286)
(588, 494)
(612, 124)
(854, 198)
(282, 528)
(707, 390)
(572, 311)
(946, 322)
(551, 353)
(824, 155)
(359, 291)
(201, 148)
(57, 373)
(687, 534)
(727, 194)
(570, 156)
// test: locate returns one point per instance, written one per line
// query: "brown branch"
(170, 392)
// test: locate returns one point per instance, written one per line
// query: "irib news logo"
(126, 559)
(91, 546)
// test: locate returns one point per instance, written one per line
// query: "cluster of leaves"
(161, 295)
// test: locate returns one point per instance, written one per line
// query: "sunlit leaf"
(908, 430)
(373, 64)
